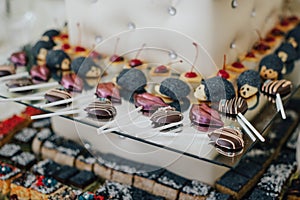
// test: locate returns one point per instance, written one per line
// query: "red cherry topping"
(161, 69)
(190, 75)
(292, 18)
(284, 22)
(116, 58)
(64, 36)
(238, 65)
(65, 46)
(135, 62)
(222, 72)
(277, 32)
(250, 55)
(79, 49)
(261, 47)
(270, 39)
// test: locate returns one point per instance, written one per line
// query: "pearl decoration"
(234, 4)
(253, 12)
(98, 39)
(232, 45)
(172, 11)
(173, 55)
(131, 26)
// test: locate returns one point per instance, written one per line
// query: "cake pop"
(214, 89)
(85, 67)
(49, 34)
(293, 37)
(287, 53)
(174, 88)
(58, 60)
(270, 67)
(40, 51)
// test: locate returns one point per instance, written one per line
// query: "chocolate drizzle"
(165, 115)
(57, 94)
(6, 70)
(101, 109)
(282, 87)
(227, 138)
(233, 106)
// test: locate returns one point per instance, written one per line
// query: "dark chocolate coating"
(165, 115)
(72, 82)
(289, 50)
(217, 88)
(82, 65)
(227, 138)
(7, 70)
(51, 33)
(82, 179)
(19, 58)
(233, 181)
(19, 82)
(57, 94)
(101, 109)
(233, 106)
(174, 88)
(249, 77)
(132, 79)
(54, 59)
(282, 87)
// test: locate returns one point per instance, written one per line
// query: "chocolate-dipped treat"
(25, 137)
(214, 89)
(19, 58)
(203, 117)
(7, 173)
(58, 60)
(287, 53)
(72, 82)
(19, 83)
(132, 80)
(8, 151)
(24, 160)
(40, 73)
(6, 70)
(165, 115)
(40, 51)
(271, 88)
(83, 180)
(46, 168)
(85, 161)
(174, 88)
(270, 67)
(248, 84)
(149, 102)
(232, 106)
(194, 189)
(109, 91)
(227, 138)
(20, 186)
(39, 139)
(57, 94)
(85, 67)
(101, 109)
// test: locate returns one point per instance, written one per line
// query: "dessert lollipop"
(214, 89)
(287, 53)
(109, 91)
(293, 37)
(49, 35)
(85, 67)
(132, 80)
(6, 70)
(275, 90)
(57, 94)
(58, 60)
(19, 83)
(166, 116)
(72, 82)
(149, 102)
(40, 73)
(40, 51)
(101, 109)
(248, 84)
(204, 117)
(270, 67)
(192, 77)
(227, 139)
(18, 58)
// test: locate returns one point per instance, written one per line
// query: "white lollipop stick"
(249, 125)
(32, 87)
(111, 122)
(69, 112)
(247, 130)
(167, 126)
(64, 101)
(25, 98)
(279, 106)
(14, 76)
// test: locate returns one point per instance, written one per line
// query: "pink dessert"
(149, 102)
(109, 91)
(40, 73)
(72, 82)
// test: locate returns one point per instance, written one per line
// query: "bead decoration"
(98, 39)
(131, 26)
(234, 4)
(172, 11)
(172, 54)
(253, 12)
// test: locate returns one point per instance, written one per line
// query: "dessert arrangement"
(168, 99)
(38, 164)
